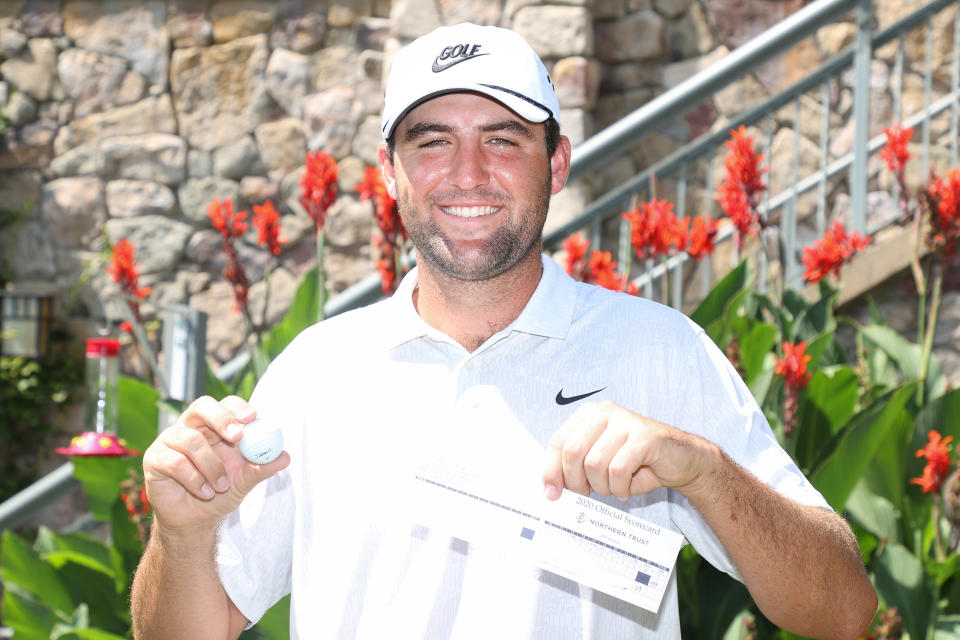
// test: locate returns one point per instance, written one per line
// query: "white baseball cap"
(468, 57)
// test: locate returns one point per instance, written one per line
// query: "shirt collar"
(548, 312)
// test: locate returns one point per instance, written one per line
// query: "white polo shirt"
(359, 396)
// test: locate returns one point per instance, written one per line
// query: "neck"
(472, 311)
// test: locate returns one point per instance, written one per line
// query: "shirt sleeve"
(720, 407)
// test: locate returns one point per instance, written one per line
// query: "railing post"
(861, 116)
(184, 349)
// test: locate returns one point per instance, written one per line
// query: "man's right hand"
(194, 472)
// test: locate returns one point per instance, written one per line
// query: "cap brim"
(524, 107)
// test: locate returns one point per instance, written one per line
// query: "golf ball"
(262, 442)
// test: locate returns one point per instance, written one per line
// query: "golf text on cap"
(456, 54)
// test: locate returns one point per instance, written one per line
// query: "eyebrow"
(509, 125)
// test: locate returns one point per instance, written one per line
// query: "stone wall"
(126, 118)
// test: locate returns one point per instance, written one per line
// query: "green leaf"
(73, 633)
(853, 448)
(874, 513)
(908, 358)
(900, 580)
(57, 550)
(715, 304)
(23, 571)
(29, 619)
(101, 478)
(755, 347)
(125, 541)
(275, 623)
(137, 412)
(214, 386)
(303, 312)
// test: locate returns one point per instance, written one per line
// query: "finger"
(627, 467)
(597, 461)
(197, 458)
(170, 465)
(215, 419)
(589, 424)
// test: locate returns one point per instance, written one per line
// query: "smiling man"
(487, 352)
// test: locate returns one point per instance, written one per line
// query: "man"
(469, 354)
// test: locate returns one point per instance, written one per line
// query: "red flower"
(943, 198)
(895, 153)
(388, 242)
(655, 230)
(743, 180)
(829, 253)
(225, 220)
(793, 365)
(937, 455)
(231, 225)
(266, 219)
(123, 270)
(700, 239)
(600, 269)
(576, 265)
(318, 187)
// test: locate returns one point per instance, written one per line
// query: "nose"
(469, 168)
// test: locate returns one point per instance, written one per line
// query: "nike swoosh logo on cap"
(561, 400)
(437, 68)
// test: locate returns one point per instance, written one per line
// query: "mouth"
(470, 212)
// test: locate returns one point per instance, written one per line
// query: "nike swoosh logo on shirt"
(561, 400)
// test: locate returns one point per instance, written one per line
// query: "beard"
(511, 242)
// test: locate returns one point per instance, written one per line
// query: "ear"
(560, 165)
(387, 170)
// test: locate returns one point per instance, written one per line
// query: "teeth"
(470, 212)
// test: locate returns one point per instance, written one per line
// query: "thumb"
(253, 474)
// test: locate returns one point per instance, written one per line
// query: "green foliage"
(31, 391)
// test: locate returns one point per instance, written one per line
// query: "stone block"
(332, 117)
(41, 18)
(152, 114)
(135, 31)
(130, 198)
(20, 110)
(237, 159)
(300, 27)
(150, 156)
(74, 210)
(576, 80)
(282, 145)
(366, 142)
(29, 147)
(91, 79)
(187, 23)
(32, 253)
(34, 72)
(288, 78)
(220, 91)
(257, 190)
(195, 195)
(638, 36)
(333, 66)
(556, 31)
(234, 19)
(372, 33)
(413, 18)
(476, 11)
(159, 241)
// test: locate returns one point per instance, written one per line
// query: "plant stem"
(932, 319)
(321, 275)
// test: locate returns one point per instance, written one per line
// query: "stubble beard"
(509, 245)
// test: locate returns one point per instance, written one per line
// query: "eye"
(433, 142)
(502, 142)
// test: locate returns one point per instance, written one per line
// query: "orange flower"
(793, 365)
(700, 239)
(231, 225)
(388, 240)
(943, 197)
(318, 187)
(937, 455)
(829, 253)
(600, 269)
(266, 219)
(123, 269)
(743, 180)
(655, 230)
(895, 153)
